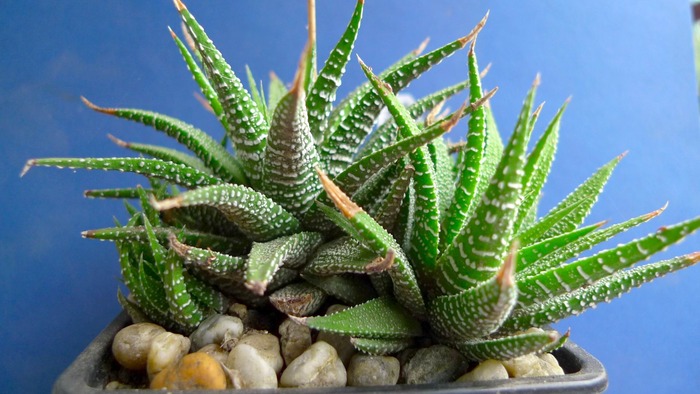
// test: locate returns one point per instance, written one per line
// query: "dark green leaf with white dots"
(381, 317)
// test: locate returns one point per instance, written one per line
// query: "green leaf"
(165, 154)
(298, 299)
(322, 94)
(584, 197)
(247, 124)
(583, 244)
(375, 238)
(477, 252)
(493, 155)
(379, 347)
(379, 318)
(339, 148)
(200, 143)
(257, 216)
(385, 134)
(443, 164)
(290, 156)
(424, 239)
(257, 97)
(205, 295)
(346, 106)
(469, 162)
(535, 233)
(208, 261)
(201, 79)
(232, 246)
(343, 255)
(537, 168)
(155, 307)
(201, 218)
(176, 173)
(478, 311)
(183, 309)
(531, 254)
(573, 303)
(388, 212)
(349, 289)
(128, 193)
(277, 90)
(508, 347)
(588, 270)
(266, 258)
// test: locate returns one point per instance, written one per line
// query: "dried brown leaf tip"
(381, 264)
(348, 208)
(94, 107)
(475, 31)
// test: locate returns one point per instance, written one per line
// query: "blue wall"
(628, 65)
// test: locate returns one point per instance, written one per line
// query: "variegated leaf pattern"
(420, 250)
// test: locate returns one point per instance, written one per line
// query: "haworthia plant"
(315, 204)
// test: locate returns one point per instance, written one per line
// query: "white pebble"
(486, 370)
(217, 329)
(132, 343)
(267, 346)
(318, 366)
(166, 348)
(250, 369)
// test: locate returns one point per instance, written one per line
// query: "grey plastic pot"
(95, 367)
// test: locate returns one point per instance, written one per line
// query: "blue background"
(628, 65)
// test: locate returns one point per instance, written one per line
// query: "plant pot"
(95, 367)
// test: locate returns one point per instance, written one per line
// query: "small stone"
(435, 364)
(486, 370)
(238, 310)
(294, 339)
(250, 369)
(166, 348)
(267, 346)
(373, 370)
(194, 371)
(222, 330)
(318, 366)
(551, 364)
(404, 357)
(532, 365)
(117, 385)
(216, 351)
(341, 343)
(131, 344)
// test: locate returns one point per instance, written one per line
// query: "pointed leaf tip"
(299, 320)
(693, 257)
(381, 264)
(118, 141)
(28, 166)
(341, 201)
(179, 5)
(172, 33)
(656, 213)
(94, 107)
(538, 110)
(537, 81)
(166, 204)
(475, 31)
(298, 83)
(256, 287)
(447, 126)
(601, 223)
(421, 47)
(506, 274)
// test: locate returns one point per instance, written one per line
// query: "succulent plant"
(426, 239)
